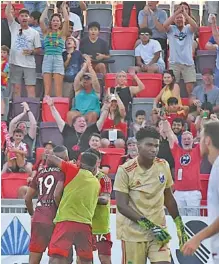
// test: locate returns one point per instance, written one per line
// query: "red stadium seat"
(110, 80)
(112, 158)
(11, 182)
(118, 16)
(204, 185)
(3, 6)
(62, 106)
(152, 83)
(124, 38)
(18, 7)
(39, 153)
(204, 35)
(185, 101)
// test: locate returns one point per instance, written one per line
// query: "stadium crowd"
(98, 121)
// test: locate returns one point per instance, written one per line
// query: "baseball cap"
(207, 71)
(86, 76)
(131, 140)
(49, 142)
(113, 98)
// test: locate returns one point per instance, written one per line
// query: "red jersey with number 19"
(45, 183)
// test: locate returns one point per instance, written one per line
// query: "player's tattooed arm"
(28, 200)
(122, 201)
(54, 160)
(104, 198)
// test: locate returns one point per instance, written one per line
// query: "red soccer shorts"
(40, 236)
(103, 244)
(70, 233)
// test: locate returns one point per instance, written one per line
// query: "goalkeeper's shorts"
(138, 252)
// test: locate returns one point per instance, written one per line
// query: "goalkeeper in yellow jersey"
(143, 188)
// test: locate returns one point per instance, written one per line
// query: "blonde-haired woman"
(125, 92)
(54, 43)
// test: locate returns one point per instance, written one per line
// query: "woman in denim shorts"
(54, 42)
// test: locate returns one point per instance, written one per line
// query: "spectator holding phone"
(25, 43)
(54, 43)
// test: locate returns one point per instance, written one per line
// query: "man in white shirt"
(25, 43)
(148, 54)
(209, 145)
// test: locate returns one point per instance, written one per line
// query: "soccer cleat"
(181, 233)
(160, 234)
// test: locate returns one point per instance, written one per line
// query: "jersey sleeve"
(121, 183)
(105, 185)
(169, 178)
(70, 170)
(33, 183)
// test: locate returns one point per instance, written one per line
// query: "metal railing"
(18, 206)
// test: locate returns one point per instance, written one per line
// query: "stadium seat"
(105, 34)
(205, 59)
(62, 106)
(101, 13)
(145, 104)
(124, 38)
(195, 13)
(49, 131)
(34, 104)
(204, 185)
(11, 182)
(3, 6)
(123, 60)
(18, 7)
(185, 101)
(152, 83)
(5, 117)
(118, 16)
(112, 158)
(39, 153)
(110, 80)
(204, 35)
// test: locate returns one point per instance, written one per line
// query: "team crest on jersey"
(161, 178)
(185, 159)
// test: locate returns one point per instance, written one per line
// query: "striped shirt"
(54, 44)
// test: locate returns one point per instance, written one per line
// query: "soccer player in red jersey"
(44, 183)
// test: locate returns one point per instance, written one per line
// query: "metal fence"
(18, 206)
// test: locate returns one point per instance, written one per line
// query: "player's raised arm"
(31, 193)
(54, 160)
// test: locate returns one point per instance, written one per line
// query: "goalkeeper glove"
(181, 233)
(160, 234)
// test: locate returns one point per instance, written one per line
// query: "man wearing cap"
(206, 88)
(25, 43)
(87, 95)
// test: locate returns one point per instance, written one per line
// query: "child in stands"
(140, 121)
(4, 75)
(17, 154)
(73, 61)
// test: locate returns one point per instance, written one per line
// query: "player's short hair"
(172, 101)
(140, 112)
(18, 130)
(60, 151)
(88, 161)
(95, 135)
(5, 48)
(147, 132)
(94, 24)
(179, 120)
(95, 152)
(211, 129)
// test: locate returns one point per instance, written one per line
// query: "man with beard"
(187, 160)
(177, 127)
(209, 145)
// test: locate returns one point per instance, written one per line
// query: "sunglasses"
(144, 34)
